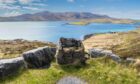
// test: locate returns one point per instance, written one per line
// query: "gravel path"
(71, 80)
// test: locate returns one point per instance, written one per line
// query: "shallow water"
(52, 31)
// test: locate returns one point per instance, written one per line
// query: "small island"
(103, 20)
(82, 23)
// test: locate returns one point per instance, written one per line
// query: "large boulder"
(40, 57)
(70, 52)
(12, 66)
(96, 53)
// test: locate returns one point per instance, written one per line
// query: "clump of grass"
(97, 71)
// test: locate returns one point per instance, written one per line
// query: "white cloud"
(16, 7)
(13, 1)
(31, 8)
(8, 7)
(7, 1)
(25, 1)
(12, 13)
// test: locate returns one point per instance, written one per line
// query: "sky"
(114, 8)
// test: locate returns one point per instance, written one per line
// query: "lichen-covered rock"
(70, 52)
(96, 53)
(11, 66)
(71, 80)
(40, 57)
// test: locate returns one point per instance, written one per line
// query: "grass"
(82, 23)
(125, 44)
(97, 71)
(14, 48)
(104, 20)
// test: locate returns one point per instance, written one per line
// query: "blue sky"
(113, 8)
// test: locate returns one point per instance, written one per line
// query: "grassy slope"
(124, 44)
(95, 72)
(13, 48)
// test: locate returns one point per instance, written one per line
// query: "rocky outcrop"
(71, 80)
(11, 66)
(95, 53)
(70, 52)
(88, 36)
(39, 58)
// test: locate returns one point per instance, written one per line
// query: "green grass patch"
(97, 71)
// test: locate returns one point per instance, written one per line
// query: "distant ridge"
(53, 16)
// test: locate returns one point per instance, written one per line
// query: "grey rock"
(70, 52)
(40, 57)
(96, 53)
(10, 67)
(71, 80)
(116, 58)
(88, 36)
(130, 60)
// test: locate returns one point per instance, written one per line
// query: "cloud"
(71, 1)
(31, 8)
(12, 13)
(25, 1)
(17, 7)
(21, 4)
(7, 1)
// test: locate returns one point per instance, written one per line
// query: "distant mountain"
(54, 16)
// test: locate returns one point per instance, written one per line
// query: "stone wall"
(40, 57)
(37, 58)
(69, 52)
(11, 66)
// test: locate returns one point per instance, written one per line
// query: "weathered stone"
(40, 57)
(70, 52)
(11, 66)
(96, 53)
(71, 80)
(130, 60)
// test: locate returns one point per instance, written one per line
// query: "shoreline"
(105, 20)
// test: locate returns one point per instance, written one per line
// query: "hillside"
(98, 71)
(53, 16)
(125, 44)
(14, 48)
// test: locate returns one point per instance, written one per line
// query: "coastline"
(104, 20)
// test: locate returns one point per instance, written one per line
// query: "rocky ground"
(99, 71)
(13, 48)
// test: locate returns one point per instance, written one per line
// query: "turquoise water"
(52, 31)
